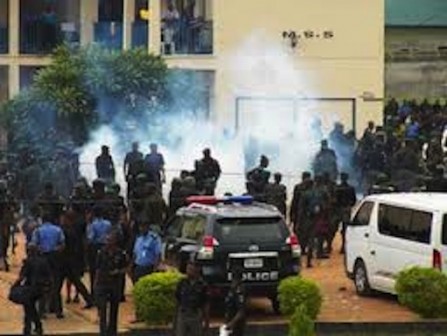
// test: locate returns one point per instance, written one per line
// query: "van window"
(193, 227)
(405, 223)
(363, 215)
(444, 231)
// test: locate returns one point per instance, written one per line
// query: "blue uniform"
(98, 230)
(147, 249)
(48, 237)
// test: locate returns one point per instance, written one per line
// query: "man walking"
(192, 316)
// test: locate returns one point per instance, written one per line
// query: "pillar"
(89, 16)
(14, 27)
(128, 17)
(154, 27)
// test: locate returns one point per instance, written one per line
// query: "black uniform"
(346, 199)
(37, 274)
(207, 173)
(191, 298)
(109, 269)
(234, 303)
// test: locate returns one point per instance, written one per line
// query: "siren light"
(213, 200)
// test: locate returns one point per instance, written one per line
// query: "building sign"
(295, 36)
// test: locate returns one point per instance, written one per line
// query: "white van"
(391, 232)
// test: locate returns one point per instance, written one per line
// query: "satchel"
(20, 294)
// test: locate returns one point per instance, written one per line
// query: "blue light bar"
(245, 199)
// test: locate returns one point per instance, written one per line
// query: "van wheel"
(361, 279)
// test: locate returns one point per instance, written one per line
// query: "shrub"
(423, 290)
(296, 291)
(301, 324)
(154, 297)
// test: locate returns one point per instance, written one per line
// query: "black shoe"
(309, 265)
(323, 256)
(38, 331)
(60, 316)
(76, 299)
(88, 306)
(68, 300)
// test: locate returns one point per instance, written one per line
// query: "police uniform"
(49, 239)
(234, 303)
(110, 266)
(191, 298)
(37, 274)
(147, 252)
(97, 232)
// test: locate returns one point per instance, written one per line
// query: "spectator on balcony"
(170, 27)
(188, 26)
(49, 22)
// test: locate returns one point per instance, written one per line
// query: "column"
(14, 79)
(14, 27)
(89, 16)
(154, 27)
(128, 17)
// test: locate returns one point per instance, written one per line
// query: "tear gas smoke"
(281, 128)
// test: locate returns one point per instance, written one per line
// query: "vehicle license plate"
(253, 263)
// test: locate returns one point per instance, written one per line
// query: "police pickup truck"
(229, 232)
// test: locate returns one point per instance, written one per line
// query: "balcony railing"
(3, 40)
(185, 38)
(37, 37)
(140, 34)
(109, 34)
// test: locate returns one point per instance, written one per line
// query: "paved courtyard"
(340, 304)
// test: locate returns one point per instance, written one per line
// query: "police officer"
(51, 202)
(325, 161)
(235, 301)
(312, 207)
(207, 173)
(276, 194)
(50, 240)
(154, 207)
(73, 257)
(97, 232)
(36, 274)
(133, 165)
(146, 252)
(258, 178)
(192, 317)
(155, 167)
(111, 265)
(298, 191)
(105, 168)
(346, 199)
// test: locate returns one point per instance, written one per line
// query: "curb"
(428, 327)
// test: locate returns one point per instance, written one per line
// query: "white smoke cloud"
(279, 125)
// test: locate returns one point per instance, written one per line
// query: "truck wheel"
(361, 281)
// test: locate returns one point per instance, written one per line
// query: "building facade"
(416, 49)
(284, 56)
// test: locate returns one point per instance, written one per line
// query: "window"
(242, 230)
(363, 215)
(174, 227)
(444, 231)
(193, 227)
(405, 223)
(4, 26)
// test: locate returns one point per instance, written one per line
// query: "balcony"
(3, 40)
(139, 34)
(187, 38)
(109, 34)
(37, 37)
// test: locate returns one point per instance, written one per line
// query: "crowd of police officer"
(96, 230)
